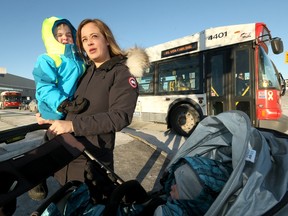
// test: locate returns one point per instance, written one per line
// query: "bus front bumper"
(280, 125)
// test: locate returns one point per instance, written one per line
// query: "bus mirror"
(277, 45)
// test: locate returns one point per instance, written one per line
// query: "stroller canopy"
(259, 159)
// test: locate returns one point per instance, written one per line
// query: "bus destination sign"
(179, 50)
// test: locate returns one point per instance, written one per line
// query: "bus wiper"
(19, 133)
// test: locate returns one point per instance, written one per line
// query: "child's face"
(64, 35)
(174, 192)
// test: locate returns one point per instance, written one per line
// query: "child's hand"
(41, 121)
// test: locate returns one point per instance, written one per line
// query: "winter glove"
(76, 106)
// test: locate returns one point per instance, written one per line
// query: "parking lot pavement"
(284, 104)
(157, 136)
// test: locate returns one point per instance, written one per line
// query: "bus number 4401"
(218, 36)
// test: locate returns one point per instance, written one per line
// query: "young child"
(194, 183)
(57, 72)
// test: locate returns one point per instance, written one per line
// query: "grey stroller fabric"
(259, 157)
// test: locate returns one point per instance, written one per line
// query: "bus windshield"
(267, 73)
(12, 98)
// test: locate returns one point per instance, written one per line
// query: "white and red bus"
(10, 99)
(215, 70)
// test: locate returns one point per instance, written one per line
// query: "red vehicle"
(10, 99)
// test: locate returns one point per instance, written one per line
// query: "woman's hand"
(57, 126)
(61, 127)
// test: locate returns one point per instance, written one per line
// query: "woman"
(110, 86)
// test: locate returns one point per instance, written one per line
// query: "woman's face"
(94, 44)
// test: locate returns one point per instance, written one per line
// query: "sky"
(143, 23)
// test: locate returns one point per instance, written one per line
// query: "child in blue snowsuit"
(57, 72)
(192, 186)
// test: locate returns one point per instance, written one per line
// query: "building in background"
(9, 82)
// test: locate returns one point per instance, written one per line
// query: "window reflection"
(217, 76)
(267, 78)
(242, 79)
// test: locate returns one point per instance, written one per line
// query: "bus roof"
(10, 93)
(204, 40)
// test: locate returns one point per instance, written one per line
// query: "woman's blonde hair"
(114, 49)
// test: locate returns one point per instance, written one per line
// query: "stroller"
(257, 184)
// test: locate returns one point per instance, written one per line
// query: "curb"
(163, 153)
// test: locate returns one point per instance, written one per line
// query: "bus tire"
(184, 119)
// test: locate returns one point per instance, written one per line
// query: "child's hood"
(51, 44)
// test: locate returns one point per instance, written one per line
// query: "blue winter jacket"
(56, 72)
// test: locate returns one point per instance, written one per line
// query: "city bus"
(10, 99)
(212, 71)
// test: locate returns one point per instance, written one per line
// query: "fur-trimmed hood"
(137, 61)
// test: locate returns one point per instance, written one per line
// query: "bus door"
(229, 81)
(218, 66)
(243, 87)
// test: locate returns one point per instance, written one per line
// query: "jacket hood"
(137, 61)
(51, 44)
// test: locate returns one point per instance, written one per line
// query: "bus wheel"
(184, 119)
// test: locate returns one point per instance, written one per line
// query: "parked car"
(24, 105)
(33, 106)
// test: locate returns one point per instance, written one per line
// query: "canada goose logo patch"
(133, 82)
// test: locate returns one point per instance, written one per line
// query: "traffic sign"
(3, 70)
(286, 57)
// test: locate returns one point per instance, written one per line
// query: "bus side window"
(188, 84)
(141, 89)
(161, 85)
(151, 87)
(241, 85)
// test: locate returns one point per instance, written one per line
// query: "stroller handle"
(15, 134)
